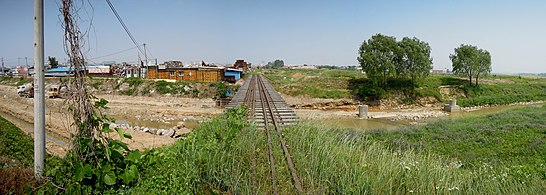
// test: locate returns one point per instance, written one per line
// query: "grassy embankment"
(16, 154)
(493, 90)
(496, 154)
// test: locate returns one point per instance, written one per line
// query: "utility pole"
(140, 66)
(26, 64)
(146, 59)
(156, 69)
(3, 70)
(39, 96)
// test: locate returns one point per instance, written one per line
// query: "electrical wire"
(124, 27)
(113, 53)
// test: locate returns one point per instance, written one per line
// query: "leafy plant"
(371, 93)
(165, 87)
(133, 81)
(101, 164)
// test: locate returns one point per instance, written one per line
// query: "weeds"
(510, 142)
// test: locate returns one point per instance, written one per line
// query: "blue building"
(232, 75)
(59, 72)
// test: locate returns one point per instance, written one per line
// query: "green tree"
(470, 61)
(378, 58)
(484, 64)
(275, 64)
(53, 63)
(414, 59)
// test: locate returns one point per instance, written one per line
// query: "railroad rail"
(269, 112)
(281, 110)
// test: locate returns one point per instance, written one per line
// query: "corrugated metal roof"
(59, 69)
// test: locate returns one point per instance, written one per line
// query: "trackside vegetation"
(495, 154)
(217, 158)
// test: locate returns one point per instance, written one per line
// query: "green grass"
(16, 160)
(15, 144)
(511, 142)
(493, 90)
(217, 158)
(503, 93)
(313, 83)
(495, 154)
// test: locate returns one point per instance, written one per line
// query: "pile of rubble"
(418, 115)
(175, 132)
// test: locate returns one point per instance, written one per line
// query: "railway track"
(268, 111)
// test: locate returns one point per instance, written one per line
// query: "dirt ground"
(166, 112)
(154, 109)
(317, 108)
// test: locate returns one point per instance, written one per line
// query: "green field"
(493, 90)
(313, 83)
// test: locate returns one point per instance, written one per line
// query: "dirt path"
(121, 107)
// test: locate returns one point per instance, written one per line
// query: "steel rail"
(250, 100)
(269, 144)
(268, 99)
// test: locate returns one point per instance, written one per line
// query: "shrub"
(165, 87)
(133, 81)
(370, 92)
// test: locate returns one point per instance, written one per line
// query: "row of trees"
(383, 58)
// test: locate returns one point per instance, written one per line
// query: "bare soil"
(122, 107)
(320, 108)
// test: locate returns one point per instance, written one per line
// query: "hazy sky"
(297, 31)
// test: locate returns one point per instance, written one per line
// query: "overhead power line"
(124, 27)
(118, 52)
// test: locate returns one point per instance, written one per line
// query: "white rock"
(169, 133)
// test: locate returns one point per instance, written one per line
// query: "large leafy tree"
(378, 58)
(470, 61)
(414, 59)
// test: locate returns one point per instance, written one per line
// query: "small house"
(232, 75)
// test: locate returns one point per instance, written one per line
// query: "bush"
(133, 81)
(370, 92)
(165, 87)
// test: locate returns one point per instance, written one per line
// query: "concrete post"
(453, 102)
(39, 89)
(363, 111)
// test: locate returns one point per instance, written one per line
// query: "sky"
(311, 32)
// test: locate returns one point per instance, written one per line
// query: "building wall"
(203, 75)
